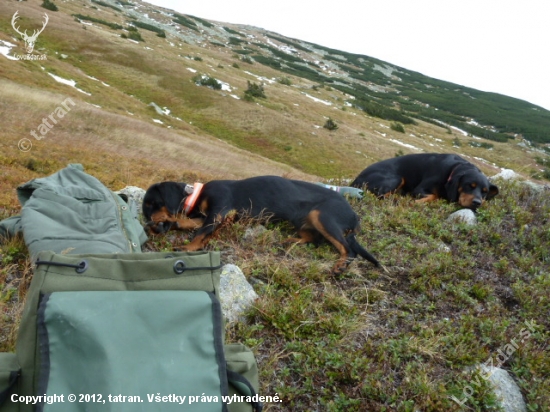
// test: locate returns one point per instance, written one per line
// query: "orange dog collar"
(192, 198)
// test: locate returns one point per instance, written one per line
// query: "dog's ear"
(173, 194)
(493, 191)
(452, 185)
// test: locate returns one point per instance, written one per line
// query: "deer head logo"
(29, 40)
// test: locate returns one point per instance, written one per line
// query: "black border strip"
(217, 320)
(43, 349)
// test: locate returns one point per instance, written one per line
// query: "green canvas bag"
(104, 332)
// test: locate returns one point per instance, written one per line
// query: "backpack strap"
(244, 387)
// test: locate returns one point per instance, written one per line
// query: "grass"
(405, 342)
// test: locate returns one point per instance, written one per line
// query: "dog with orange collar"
(316, 212)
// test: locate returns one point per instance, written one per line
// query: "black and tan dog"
(429, 176)
(315, 211)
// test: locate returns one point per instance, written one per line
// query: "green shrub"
(184, 21)
(254, 90)
(205, 80)
(48, 4)
(330, 125)
(113, 26)
(102, 3)
(398, 127)
(284, 80)
(150, 27)
(484, 145)
(134, 35)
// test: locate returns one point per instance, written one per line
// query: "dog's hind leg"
(383, 186)
(307, 234)
(332, 232)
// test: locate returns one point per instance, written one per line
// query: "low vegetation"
(401, 341)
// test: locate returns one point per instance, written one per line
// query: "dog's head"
(161, 202)
(469, 187)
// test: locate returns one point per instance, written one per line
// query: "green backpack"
(103, 332)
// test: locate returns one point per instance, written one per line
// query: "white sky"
(500, 46)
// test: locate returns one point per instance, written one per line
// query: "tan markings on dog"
(161, 215)
(306, 236)
(429, 198)
(342, 262)
(396, 190)
(203, 207)
(465, 199)
(198, 243)
(474, 185)
(189, 224)
(182, 223)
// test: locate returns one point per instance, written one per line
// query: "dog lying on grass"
(316, 212)
(428, 177)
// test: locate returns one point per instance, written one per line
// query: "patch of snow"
(235, 96)
(67, 82)
(315, 99)
(5, 48)
(408, 146)
(225, 86)
(158, 121)
(191, 70)
(261, 78)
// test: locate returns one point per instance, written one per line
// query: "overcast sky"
(500, 46)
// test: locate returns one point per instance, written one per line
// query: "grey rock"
(465, 216)
(236, 294)
(135, 194)
(254, 232)
(505, 389)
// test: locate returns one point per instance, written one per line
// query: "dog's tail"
(360, 250)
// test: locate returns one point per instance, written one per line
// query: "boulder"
(236, 294)
(505, 389)
(465, 216)
(135, 194)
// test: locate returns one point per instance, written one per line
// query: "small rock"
(465, 216)
(254, 232)
(505, 389)
(134, 194)
(442, 247)
(236, 294)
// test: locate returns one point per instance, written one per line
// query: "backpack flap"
(141, 345)
(145, 273)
